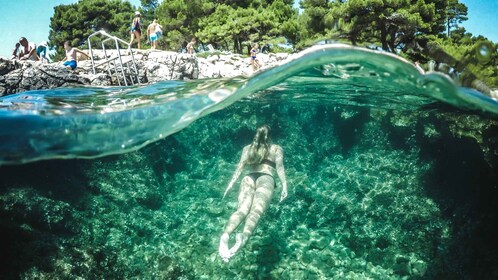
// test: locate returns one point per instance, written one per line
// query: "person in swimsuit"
(28, 50)
(71, 52)
(261, 160)
(254, 61)
(190, 46)
(152, 33)
(136, 29)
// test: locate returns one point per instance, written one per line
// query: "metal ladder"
(123, 72)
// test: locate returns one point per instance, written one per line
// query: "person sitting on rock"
(71, 52)
(262, 160)
(28, 50)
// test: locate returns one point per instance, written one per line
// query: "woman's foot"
(223, 249)
(240, 241)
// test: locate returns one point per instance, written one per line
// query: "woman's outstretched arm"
(279, 161)
(238, 171)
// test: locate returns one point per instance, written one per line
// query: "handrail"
(107, 60)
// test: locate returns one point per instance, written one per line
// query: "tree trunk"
(239, 46)
(448, 25)
(235, 44)
(383, 38)
(392, 40)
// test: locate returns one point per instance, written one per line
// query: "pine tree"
(75, 22)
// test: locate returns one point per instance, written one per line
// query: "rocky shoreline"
(153, 66)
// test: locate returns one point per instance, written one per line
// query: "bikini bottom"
(255, 175)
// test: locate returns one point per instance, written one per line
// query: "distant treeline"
(420, 30)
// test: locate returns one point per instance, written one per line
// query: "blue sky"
(31, 19)
(483, 18)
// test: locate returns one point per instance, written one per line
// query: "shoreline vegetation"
(429, 34)
(429, 30)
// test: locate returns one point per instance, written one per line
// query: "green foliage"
(180, 20)
(148, 10)
(455, 14)
(391, 23)
(75, 22)
(471, 62)
(314, 15)
(228, 25)
(234, 28)
(395, 25)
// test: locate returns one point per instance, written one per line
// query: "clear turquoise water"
(392, 175)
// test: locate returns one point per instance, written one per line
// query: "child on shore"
(71, 52)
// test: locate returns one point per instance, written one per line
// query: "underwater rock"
(419, 268)
(318, 242)
(168, 268)
(151, 200)
(27, 207)
(213, 207)
(402, 266)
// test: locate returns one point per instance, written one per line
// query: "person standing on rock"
(136, 29)
(152, 33)
(71, 52)
(254, 61)
(262, 160)
(28, 50)
(190, 46)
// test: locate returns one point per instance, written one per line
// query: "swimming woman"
(261, 160)
(136, 29)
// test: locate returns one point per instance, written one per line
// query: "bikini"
(255, 175)
(253, 56)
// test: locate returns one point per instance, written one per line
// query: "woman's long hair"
(260, 146)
